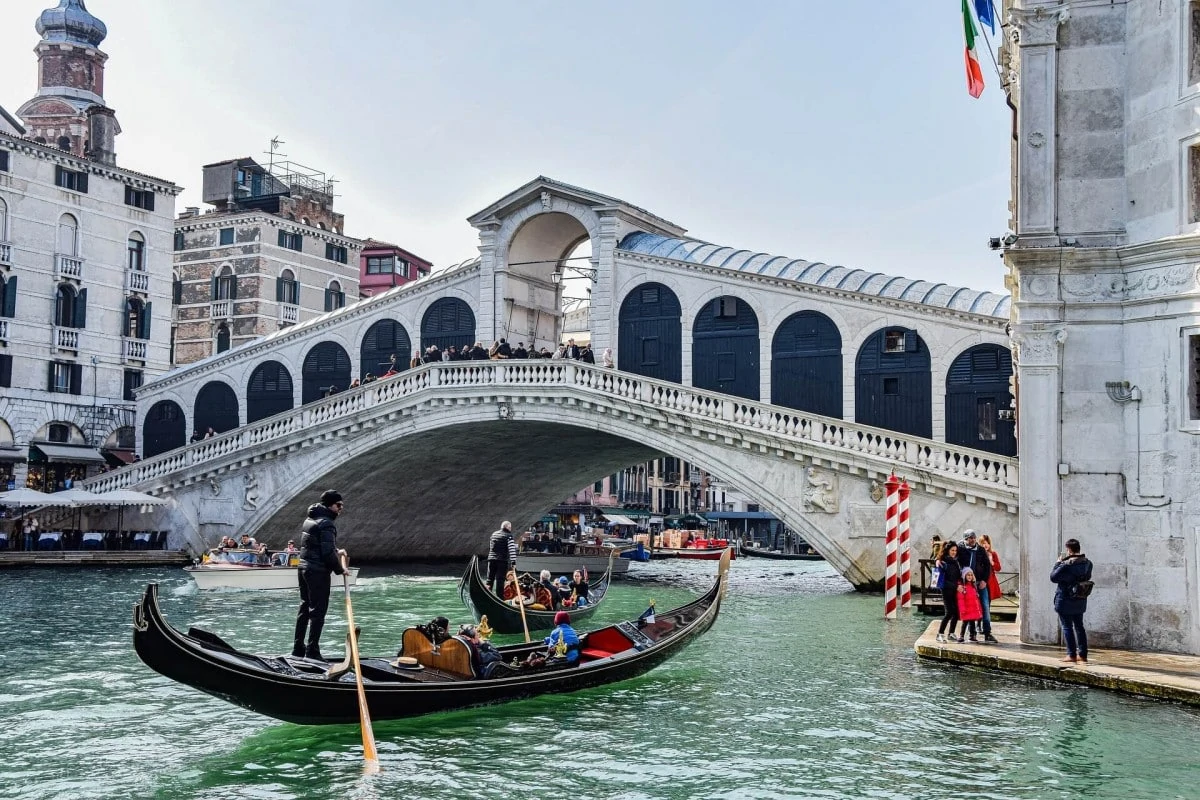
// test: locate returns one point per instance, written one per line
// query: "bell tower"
(68, 110)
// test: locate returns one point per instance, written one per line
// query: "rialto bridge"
(799, 383)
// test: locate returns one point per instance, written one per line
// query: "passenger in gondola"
(483, 653)
(562, 645)
(580, 588)
(248, 542)
(437, 631)
(551, 588)
(562, 593)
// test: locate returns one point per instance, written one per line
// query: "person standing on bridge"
(319, 557)
(502, 557)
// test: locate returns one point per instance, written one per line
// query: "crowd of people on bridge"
(502, 350)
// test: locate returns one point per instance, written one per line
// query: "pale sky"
(833, 131)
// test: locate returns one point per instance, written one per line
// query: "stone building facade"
(1103, 255)
(271, 254)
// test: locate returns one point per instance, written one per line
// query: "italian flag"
(974, 73)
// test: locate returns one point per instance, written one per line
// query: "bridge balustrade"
(917, 454)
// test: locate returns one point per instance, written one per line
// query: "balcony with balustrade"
(132, 350)
(5, 254)
(288, 314)
(137, 281)
(68, 267)
(66, 338)
(3, 330)
(221, 309)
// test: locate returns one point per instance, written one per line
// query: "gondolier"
(502, 557)
(319, 557)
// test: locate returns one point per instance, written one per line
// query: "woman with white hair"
(607, 358)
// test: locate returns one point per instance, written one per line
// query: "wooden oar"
(520, 604)
(370, 755)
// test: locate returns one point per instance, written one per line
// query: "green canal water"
(799, 691)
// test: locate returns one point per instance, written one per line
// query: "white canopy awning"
(70, 454)
(617, 519)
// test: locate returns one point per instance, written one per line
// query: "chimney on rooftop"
(102, 135)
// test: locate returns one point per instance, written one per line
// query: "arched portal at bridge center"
(802, 384)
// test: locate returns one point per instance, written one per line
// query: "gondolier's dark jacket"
(318, 541)
(502, 547)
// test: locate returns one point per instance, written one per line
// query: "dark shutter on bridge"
(10, 298)
(81, 309)
(76, 378)
(910, 341)
(6, 371)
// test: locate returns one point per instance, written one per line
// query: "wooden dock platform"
(94, 558)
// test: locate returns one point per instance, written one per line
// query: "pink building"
(383, 265)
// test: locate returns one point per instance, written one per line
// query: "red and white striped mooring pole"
(905, 548)
(891, 525)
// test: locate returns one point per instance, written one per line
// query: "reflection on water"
(800, 690)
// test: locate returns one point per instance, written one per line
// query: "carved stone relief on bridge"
(1141, 285)
(250, 499)
(821, 491)
(1031, 27)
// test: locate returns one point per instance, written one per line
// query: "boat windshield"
(233, 557)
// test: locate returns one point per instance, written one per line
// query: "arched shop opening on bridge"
(269, 391)
(385, 344)
(893, 385)
(806, 364)
(448, 322)
(326, 371)
(725, 348)
(163, 429)
(216, 408)
(978, 395)
(650, 337)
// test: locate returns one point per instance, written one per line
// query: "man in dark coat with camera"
(319, 558)
(1073, 574)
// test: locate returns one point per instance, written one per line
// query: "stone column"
(602, 317)
(490, 288)
(1040, 379)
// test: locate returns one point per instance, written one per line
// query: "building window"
(1193, 24)
(291, 241)
(136, 247)
(65, 378)
(6, 370)
(224, 285)
(891, 386)
(3, 161)
(64, 143)
(725, 307)
(226, 235)
(179, 242)
(899, 341)
(335, 298)
(287, 288)
(222, 338)
(70, 179)
(70, 308)
(58, 433)
(1194, 183)
(1193, 377)
(335, 252)
(3, 220)
(139, 198)
(68, 235)
(381, 265)
(133, 381)
(8, 297)
(137, 319)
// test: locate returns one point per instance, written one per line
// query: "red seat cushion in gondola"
(592, 653)
(604, 643)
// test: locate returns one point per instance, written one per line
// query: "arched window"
(335, 298)
(977, 391)
(649, 339)
(304, 220)
(68, 235)
(216, 407)
(163, 429)
(448, 321)
(224, 284)
(176, 289)
(65, 303)
(137, 319)
(222, 338)
(326, 370)
(269, 391)
(287, 288)
(892, 384)
(137, 251)
(64, 143)
(725, 348)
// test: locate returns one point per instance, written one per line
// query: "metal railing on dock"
(1004, 607)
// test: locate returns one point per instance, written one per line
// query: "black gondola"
(762, 552)
(505, 618)
(298, 690)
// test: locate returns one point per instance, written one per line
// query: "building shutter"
(6, 371)
(214, 287)
(59, 177)
(81, 309)
(283, 238)
(50, 376)
(233, 287)
(3, 161)
(144, 322)
(129, 196)
(328, 300)
(910, 341)
(341, 299)
(81, 184)
(148, 196)
(10, 298)
(76, 378)
(279, 290)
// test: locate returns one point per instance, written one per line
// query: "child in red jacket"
(970, 610)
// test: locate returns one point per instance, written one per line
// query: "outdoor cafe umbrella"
(32, 498)
(128, 497)
(79, 498)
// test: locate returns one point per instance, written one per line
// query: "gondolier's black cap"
(330, 497)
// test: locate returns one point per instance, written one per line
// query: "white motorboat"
(242, 569)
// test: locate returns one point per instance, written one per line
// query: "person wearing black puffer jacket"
(319, 558)
(1072, 569)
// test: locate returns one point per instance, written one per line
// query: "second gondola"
(505, 617)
